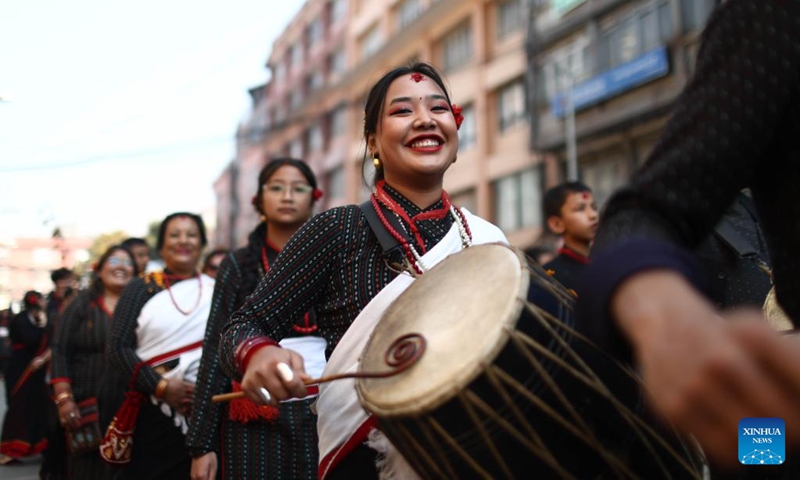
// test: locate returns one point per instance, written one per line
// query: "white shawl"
(162, 329)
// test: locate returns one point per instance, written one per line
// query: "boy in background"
(570, 211)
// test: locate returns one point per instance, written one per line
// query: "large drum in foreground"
(506, 388)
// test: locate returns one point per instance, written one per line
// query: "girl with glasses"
(242, 439)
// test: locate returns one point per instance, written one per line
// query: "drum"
(506, 387)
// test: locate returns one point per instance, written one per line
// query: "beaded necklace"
(308, 327)
(412, 256)
(174, 302)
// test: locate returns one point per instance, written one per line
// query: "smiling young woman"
(336, 266)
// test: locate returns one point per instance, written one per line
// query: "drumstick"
(402, 353)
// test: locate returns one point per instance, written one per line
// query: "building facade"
(26, 264)
(322, 67)
(624, 62)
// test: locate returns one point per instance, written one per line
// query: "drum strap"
(387, 240)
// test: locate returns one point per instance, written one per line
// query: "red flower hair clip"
(457, 114)
(317, 194)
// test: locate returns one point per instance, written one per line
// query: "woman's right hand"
(179, 395)
(204, 467)
(263, 372)
(69, 415)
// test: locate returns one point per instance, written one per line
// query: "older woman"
(239, 439)
(335, 264)
(79, 360)
(156, 343)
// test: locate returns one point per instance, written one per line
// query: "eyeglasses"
(116, 262)
(280, 189)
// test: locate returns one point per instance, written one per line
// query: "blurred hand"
(69, 415)
(701, 372)
(204, 467)
(37, 363)
(179, 395)
(262, 371)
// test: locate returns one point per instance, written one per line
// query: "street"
(29, 469)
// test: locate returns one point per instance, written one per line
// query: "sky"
(115, 114)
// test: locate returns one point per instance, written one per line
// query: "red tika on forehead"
(586, 195)
(417, 77)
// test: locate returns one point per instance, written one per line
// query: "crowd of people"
(128, 367)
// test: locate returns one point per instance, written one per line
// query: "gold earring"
(376, 161)
(263, 218)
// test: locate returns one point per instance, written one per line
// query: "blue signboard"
(642, 69)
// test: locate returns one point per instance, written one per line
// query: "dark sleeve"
(63, 343)
(300, 273)
(720, 137)
(121, 349)
(204, 424)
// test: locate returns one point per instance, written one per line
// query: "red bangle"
(247, 348)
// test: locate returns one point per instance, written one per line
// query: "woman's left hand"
(69, 415)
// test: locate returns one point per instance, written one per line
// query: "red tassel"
(242, 410)
(117, 443)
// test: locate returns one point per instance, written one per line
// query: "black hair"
(162, 229)
(273, 166)
(31, 300)
(61, 274)
(377, 96)
(96, 286)
(556, 197)
(131, 242)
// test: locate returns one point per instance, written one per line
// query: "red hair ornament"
(457, 114)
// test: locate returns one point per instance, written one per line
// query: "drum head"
(465, 308)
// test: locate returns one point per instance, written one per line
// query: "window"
(509, 17)
(338, 121)
(467, 134)
(296, 99)
(370, 42)
(315, 137)
(314, 33)
(296, 148)
(572, 60)
(280, 72)
(407, 12)
(336, 61)
(517, 201)
(315, 81)
(695, 13)
(336, 183)
(511, 105)
(297, 55)
(338, 10)
(457, 47)
(636, 34)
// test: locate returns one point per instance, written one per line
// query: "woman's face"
(286, 197)
(117, 271)
(181, 249)
(416, 137)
